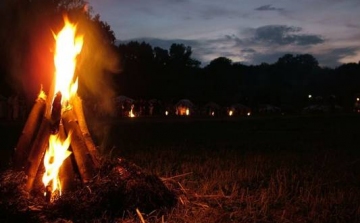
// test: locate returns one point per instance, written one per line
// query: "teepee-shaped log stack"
(34, 140)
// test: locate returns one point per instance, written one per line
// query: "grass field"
(253, 169)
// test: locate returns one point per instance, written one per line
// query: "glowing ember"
(68, 46)
(187, 112)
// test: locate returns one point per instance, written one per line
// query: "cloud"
(248, 50)
(261, 45)
(284, 35)
(333, 57)
(268, 8)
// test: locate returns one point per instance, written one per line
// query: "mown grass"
(257, 169)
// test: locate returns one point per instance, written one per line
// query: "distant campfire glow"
(131, 112)
(230, 113)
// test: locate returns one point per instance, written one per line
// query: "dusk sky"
(247, 31)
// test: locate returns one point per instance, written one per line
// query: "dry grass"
(259, 170)
(224, 186)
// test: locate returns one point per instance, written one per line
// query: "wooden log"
(66, 172)
(42, 141)
(37, 152)
(79, 112)
(32, 124)
(56, 113)
(82, 156)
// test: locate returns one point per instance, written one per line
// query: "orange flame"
(68, 47)
(53, 159)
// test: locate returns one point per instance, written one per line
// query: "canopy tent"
(184, 107)
(211, 109)
(239, 109)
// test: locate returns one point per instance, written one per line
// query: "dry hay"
(119, 189)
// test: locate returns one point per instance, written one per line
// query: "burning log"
(84, 161)
(56, 113)
(23, 146)
(79, 111)
(66, 173)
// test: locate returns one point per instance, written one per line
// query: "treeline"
(171, 74)
(141, 71)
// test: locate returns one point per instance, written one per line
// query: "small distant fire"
(131, 112)
(231, 113)
(182, 111)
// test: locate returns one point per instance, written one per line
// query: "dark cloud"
(215, 12)
(284, 35)
(237, 41)
(268, 8)
(248, 50)
(332, 58)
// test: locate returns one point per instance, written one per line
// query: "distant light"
(310, 96)
(230, 113)
(249, 113)
(212, 113)
(166, 113)
(357, 99)
(187, 112)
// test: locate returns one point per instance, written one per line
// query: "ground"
(250, 169)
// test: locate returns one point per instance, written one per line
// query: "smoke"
(98, 63)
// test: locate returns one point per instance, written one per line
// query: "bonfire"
(58, 162)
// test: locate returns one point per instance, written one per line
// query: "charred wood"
(66, 172)
(56, 113)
